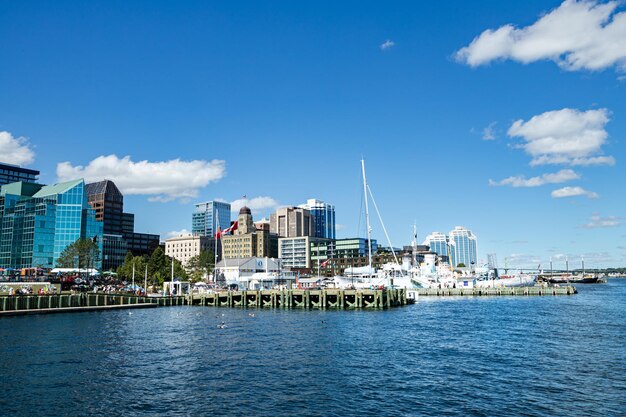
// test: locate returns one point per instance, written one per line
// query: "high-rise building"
(439, 244)
(186, 246)
(119, 227)
(12, 173)
(248, 242)
(295, 252)
(291, 222)
(207, 217)
(463, 247)
(323, 216)
(38, 222)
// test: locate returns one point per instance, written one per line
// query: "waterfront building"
(291, 222)
(13, 173)
(323, 218)
(325, 249)
(439, 244)
(186, 246)
(209, 216)
(295, 252)
(37, 222)
(463, 247)
(119, 227)
(247, 241)
(242, 270)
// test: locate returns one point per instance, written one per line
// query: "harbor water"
(533, 356)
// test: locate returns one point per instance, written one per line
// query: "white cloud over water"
(255, 204)
(162, 180)
(563, 175)
(388, 44)
(577, 35)
(573, 192)
(596, 221)
(489, 132)
(566, 137)
(15, 150)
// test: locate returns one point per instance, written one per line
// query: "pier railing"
(85, 300)
(305, 299)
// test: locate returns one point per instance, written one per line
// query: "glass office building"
(463, 247)
(12, 173)
(207, 217)
(119, 227)
(323, 249)
(439, 244)
(38, 222)
(323, 216)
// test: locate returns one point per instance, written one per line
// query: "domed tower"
(246, 224)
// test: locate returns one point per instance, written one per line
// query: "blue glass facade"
(323, 216)
(207, 217)
(38, 222)
(463, 247)
(438, 243)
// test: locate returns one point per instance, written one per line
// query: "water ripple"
(457, 356)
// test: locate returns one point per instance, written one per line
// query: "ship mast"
(367, 220)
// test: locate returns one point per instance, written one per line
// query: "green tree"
(82, 254)
(461, 265)
(160, 268)
(125, 271)
(200, 266)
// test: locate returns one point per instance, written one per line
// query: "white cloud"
(163, 180)
(489, 133)
(175, 233)
(596, 222)
(573, 192)
(14, 150)
(577, 35)
(388, 44)
(566, 136)
(255, 204)
(563, 175)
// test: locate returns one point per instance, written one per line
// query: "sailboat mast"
(367, 220)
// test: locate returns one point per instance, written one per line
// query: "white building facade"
(186, 246)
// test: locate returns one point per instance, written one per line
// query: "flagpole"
(145, 281)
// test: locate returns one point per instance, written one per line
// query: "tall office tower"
(323, 216)
(463, 247)
(38, 222)
(12, 173)
(108, 202)
(438, 243)
(291, 222)
(119, 227)
(207, 217)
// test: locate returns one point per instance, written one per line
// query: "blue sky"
(451, 105)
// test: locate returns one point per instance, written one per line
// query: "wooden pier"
(330, 298)
(501, 291)
(305, 299)
(11, 305)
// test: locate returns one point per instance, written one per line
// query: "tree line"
(84, 254)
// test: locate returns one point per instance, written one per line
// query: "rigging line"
(384, 228)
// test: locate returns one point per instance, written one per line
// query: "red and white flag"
(232, 228)
(325, 262)
(219, 233)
